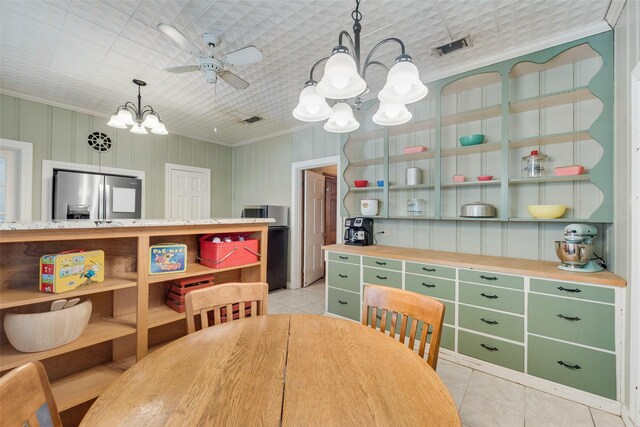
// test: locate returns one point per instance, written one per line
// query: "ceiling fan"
(213, 67)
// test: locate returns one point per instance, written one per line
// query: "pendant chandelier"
(139, 118)
(344, 79)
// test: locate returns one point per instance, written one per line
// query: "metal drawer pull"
(343, 257)
(573, 319)
(489, 322)
(576, 291)
(342, 302)
(573, 367)
(489, 348)
(381, 263)
(488, 278)
(489, 296)
(344, 276)
(428, 285)
(429, 269)
(381, 277)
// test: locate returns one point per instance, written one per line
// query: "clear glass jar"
(415, 207)
(534, 165)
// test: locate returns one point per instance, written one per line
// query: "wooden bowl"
(43, 331)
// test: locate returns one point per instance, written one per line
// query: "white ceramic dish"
(369, 207)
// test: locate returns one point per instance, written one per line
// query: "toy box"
(167, 258)
(236, 250)
(69, 270)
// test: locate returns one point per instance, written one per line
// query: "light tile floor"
(482, 399)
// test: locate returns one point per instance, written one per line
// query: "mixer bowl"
(572, 253)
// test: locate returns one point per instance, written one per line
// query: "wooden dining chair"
(26, 398)
(380, 302)
(228, 301)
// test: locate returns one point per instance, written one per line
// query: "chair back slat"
(223, 298)
(409, 305)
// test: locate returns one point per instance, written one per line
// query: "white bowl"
(43, 331)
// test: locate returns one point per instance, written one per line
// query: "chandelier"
(139, 118)
(344, 78)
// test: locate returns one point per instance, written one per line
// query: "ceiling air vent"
(252, 119)
(453, 46)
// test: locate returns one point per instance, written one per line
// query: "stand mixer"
(576, 249)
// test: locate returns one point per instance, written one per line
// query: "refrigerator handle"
(103, 194)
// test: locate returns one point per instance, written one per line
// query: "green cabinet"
(490, 322)
(492, 297)
(431, 286)
(378, 276)
(344, 303)
(492, 350)
(387, 264)
(343, 276)
(493, 279)
(340, 257)
(573, 290)
(431, 270)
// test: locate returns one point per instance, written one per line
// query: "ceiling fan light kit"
(138, 117)
(344, 79)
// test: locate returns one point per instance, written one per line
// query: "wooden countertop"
(526, 267)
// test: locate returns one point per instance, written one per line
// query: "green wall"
(60, 134)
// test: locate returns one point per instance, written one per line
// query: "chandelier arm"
(380, 43)
(366, 65)
(147, 109)
(349, 38)
(128, 105)
(315, 65)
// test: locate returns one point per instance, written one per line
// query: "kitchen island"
(129, 317)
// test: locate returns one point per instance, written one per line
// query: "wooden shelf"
(411, 187)
(557, 138)
(15, 297)
(411, 217)
(532, 219)
(472, 115)
(98, 331)
(412, 157)
(459, 218)
(570, 56)
(195, 269)
(368, 135)
(571, 178)
(86, 385)
(412, 126)
(362, 189)
(552, 100)
(470, 183)
(471, 149)
(158, 315)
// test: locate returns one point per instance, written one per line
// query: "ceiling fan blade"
(246, 55)
(235, 81)
(183, 69)
(180, 39)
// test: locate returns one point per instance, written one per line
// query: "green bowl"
(475, 139)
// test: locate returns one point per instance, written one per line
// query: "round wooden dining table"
(289, 370)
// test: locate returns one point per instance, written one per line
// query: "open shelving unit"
(558, 101)
(129, 317)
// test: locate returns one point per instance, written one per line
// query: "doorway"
(187, 192)
(15, 180)
(323, 172)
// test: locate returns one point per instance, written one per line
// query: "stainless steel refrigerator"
(99, 197)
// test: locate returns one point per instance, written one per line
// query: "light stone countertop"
(75, 224)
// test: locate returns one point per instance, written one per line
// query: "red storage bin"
(228, 254)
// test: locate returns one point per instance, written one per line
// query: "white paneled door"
(313, 227)
(188, 192)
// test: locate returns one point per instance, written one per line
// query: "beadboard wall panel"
(61, 135)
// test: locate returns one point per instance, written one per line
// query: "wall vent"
(252, 119)
(99, 142)
(454, 46)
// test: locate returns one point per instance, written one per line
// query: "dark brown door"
(330, 209)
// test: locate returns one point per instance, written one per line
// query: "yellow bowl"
(546, 211)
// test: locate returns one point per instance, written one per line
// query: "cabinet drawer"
(344, 276)
(447, 340)
(337, 256)
(486, 277)
(432, 286)
(581, 322)
(494, 298)
(377, 276)
(491, 350)
(431, 270)
(492, 323)
(343, 303)
(583, 368)
(573, 290)
(389, 264)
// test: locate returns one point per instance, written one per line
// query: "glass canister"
(534, 165)
(415, 207)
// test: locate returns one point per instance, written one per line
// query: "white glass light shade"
(341, 79)
(391, 114)
(151, 121)
(159, 129)
(403, 85)
(124, 116)
(342, 119)
(139, 129)
(312, 107)
(114, 122)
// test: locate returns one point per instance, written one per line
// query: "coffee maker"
(358, 231)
